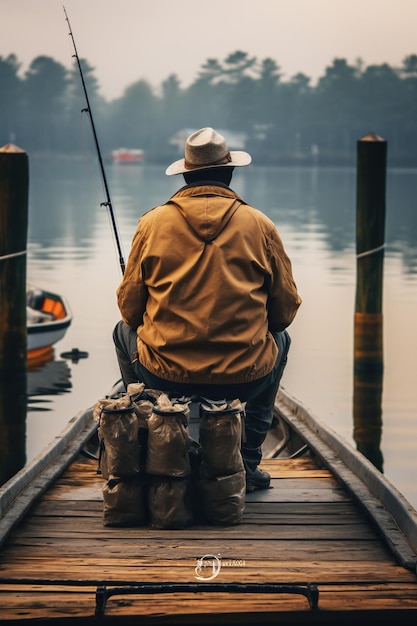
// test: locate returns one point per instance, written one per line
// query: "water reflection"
(48, 378)
(68, 219)
(368, 386)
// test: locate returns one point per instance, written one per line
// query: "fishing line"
(108, 202)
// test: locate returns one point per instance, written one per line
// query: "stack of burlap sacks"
(156, 474)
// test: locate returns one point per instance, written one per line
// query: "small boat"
(128, 155)
(48, 318)
(332, 542)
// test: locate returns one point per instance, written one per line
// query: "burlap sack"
(118, 431)
(220, 439)
(169, 502)
(223, 498)
(167, 440)
(125, 502)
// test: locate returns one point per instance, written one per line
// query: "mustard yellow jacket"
(206, 280)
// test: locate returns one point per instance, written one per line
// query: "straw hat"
(207, 148)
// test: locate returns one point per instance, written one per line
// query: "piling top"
(10, 147)
(371, 137)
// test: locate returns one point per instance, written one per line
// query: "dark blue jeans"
(259, 395)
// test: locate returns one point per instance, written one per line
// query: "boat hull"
(48, 319)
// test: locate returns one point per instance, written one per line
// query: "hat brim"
(238, 159)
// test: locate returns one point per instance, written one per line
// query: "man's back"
(201, 287)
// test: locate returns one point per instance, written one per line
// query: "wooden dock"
(305, 553)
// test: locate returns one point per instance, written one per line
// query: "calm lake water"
(71, 250)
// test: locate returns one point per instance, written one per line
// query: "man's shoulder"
(154, 211)
(257, 215)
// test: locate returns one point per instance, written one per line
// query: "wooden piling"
(368, 331)
(14, 185)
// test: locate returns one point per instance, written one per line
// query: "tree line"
(284, 121)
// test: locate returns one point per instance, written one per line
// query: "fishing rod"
(88, 110)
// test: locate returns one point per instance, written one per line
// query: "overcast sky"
(128, 40)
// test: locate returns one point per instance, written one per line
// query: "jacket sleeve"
(283, 300)
(132, 293)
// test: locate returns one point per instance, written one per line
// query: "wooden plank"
(140, 569)
(304, 513)
(36, 527)
(325, 550)
(81, 603)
